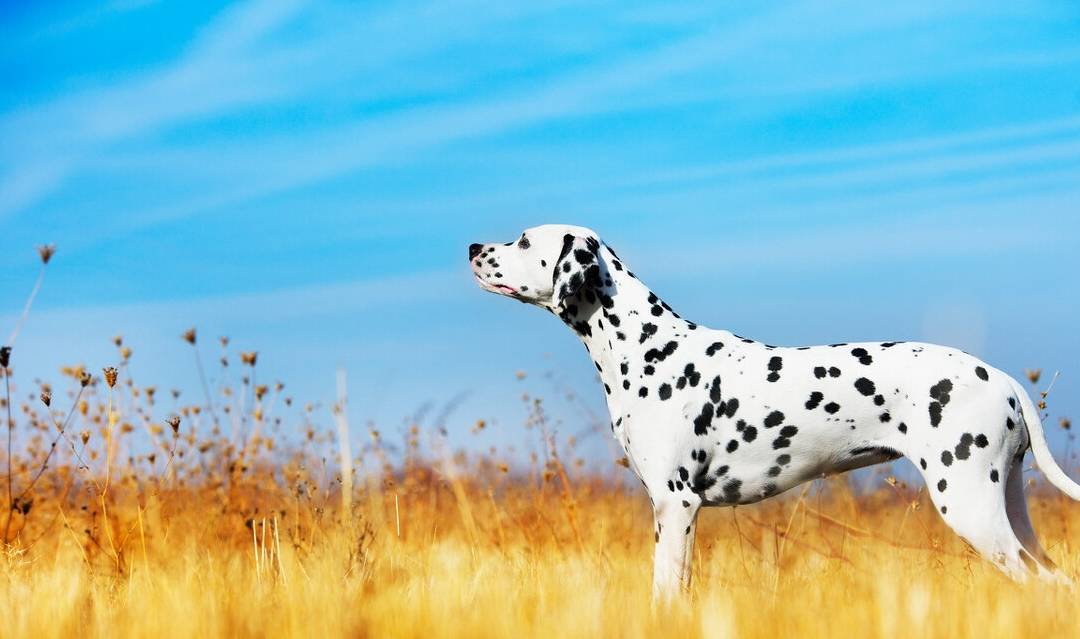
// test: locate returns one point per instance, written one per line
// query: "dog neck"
(619, 322)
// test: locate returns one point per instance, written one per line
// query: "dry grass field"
(136, 511)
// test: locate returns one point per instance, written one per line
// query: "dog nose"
(474, 250)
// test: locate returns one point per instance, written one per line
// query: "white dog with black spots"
(709, 418)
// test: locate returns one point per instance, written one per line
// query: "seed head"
(84, 379)
(189, 336)
(5, 356)
(174, 422)
(224, 341)
(46, 398)
(1065, 423)
(249, 358)
(84, 436)
(110, 376)
(1033, 375)
(46, 252)
(118, 340)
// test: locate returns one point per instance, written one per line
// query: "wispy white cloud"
(224, 70)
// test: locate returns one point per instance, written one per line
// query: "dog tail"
(1043, 458)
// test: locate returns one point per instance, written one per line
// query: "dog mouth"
(501, 289)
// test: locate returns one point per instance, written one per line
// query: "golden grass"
(188, 564)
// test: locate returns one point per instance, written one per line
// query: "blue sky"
(305, 179)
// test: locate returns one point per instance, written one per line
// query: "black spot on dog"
(657, 355)
(1012, 402)
(648, 329)
(940, 391)
(942, 485)
(703, 420)
(994, 475)
(1009, 423)
(902, 427)
(922, 463)
(865, 386)
(781, 442)
(774, 419)
(714, 390)
(963, 449)
(819, 372)
(728, 408)
(879, 400)
(935, 414)
(946, 458)
(643, 392)
(683, 474)
(981, 441)
(834, 371)
(864, 357)
(885, 417)
(774, 471)
(789, 431)
(814, 401)
(749, 434)
(775, 365)
(714, 348)
(732, 446)
(664, 392)
(831, 408)
(731, 491)
(981, 373)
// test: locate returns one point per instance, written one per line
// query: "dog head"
(545, 266)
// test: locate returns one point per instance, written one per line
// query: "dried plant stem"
(205, 385)
(9, 425)
(26, 308)
(52, 448)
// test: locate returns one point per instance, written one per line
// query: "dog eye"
(523, 243)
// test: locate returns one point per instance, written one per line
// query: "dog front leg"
(675, 521)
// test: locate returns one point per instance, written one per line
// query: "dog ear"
(577, 268)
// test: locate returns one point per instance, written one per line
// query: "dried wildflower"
(118, 340)
(249, 358)
(260, 391)
(174, 423)
(189, 336)
(84, 379)
(125, 353)
(224, 341)
(1033, 374)
(520, 375)
(84, 436)
(110, 376)
(5, 356)
(46, 251)
(623, 461)
(1065, 423)
(46, 398)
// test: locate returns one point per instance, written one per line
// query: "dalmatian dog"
(709, 418)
